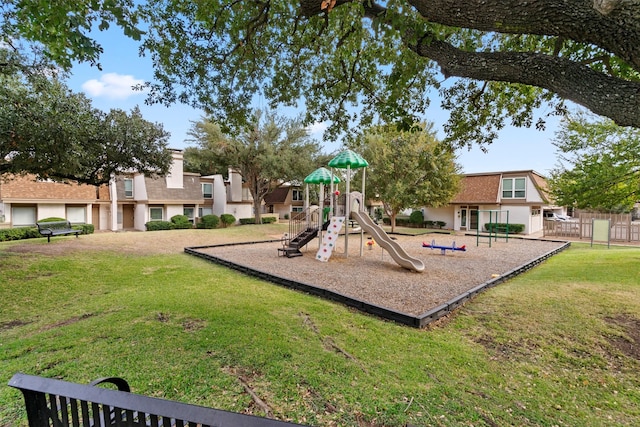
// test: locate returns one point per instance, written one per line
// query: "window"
(76, 214)
(535, 211)
(246, 194)
(23, 216)
(513, 188)
(297, 209)
(128, 187)
(204, 211)
(207, 190)
(188, 212)
(297, 195)
(155, 214)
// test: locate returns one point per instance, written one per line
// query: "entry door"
(95, 217)
(473, 217)
(127, 217)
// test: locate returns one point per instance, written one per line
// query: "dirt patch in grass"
(66, 322)
(12, 324)
(629, 342)
(127, 242)
(193, 325)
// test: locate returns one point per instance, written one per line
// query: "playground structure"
(326, 225)
(495, 218)
(444, 249)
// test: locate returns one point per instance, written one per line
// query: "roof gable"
(278, 195)
(479, 189)
(484, 188)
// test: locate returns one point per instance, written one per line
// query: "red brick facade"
(26, 189)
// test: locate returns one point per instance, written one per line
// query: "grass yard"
(558, 345)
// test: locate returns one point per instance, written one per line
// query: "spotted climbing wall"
(330, 238)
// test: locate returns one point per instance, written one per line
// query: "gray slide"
(396, 251)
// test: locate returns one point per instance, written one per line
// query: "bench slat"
(99, 404)
(56, 228)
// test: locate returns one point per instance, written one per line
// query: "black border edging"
(449, 306)
(385, 313)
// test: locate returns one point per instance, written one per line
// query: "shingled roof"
(479, 189)
(158, 192)
(484, 188)
(278, 195)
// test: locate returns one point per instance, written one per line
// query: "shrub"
(86, 228)
(181, 222)
(500, 227)
(286, 216)
(209, 221)
(402, 221)
(435, 224)
(182, 225)
(18, 233)
(264, 220)
(227, 220)
(176, 219)
(158, 225)
(51, 219)
(416, 218)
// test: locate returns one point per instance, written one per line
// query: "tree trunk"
(612, 25)
(392, 219)
(257, 206)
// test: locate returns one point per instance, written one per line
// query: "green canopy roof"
(348, 158)
(320, 176)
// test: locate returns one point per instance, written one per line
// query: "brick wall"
(27, 188)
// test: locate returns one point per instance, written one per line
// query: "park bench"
(51, 402)
(56, 228)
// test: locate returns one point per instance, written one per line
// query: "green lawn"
(555, 346)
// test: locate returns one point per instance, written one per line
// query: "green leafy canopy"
(49, 131)
(408, 169)
(493, 63)
(271, 151)
(364, 62)
(601, 165)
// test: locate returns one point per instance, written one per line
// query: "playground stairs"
(304, 227)
(290, 252)
(303, 238)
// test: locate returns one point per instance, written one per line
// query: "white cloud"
(317, 127)
(112, 86)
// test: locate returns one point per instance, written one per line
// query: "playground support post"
(492, 233)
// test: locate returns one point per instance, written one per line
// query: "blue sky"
(515, 149)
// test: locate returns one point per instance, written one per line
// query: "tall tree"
(355, 60)
(270, 151)
(364, 60)
(408, 169)
(601, 165)
(64, 26)
(49, 131)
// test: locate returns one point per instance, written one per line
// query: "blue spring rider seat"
(444, 249)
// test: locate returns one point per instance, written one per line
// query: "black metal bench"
(56, 228)
(56, 403)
